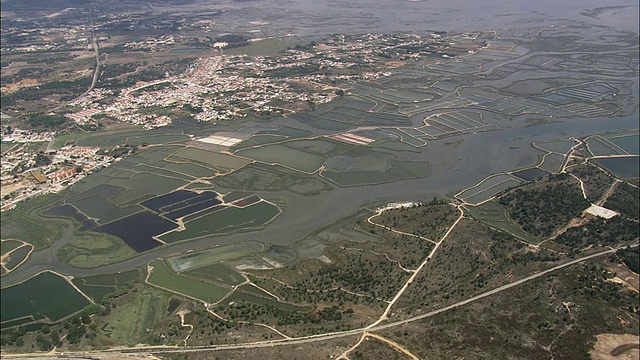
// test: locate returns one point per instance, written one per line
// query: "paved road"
(492, 292)
(452, 169)
(95, 73)
(321, 337)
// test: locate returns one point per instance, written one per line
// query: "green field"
(129, 322)
(261, 177)
(164, 278)
(225, 221)
(220, 162)
(93, 137)
(102, 210)
(139, 187)
(163, 171)
(393, 145)
(17, 256)
(155, 155)
(495, 215)
(98, 286)
(8, 245)
(398, 170)
(372, 162)
(217, 273)
(252, 290)
(45, 295)
(24, 222)
(121, 136)
(258, 140)
(288, 132)
(91, 250)
(322, 147)
(492, 191)
(356, 178)
(286, 156)
(157, 139)
(190, 169)
(207, 257)
(483, 185)
(104, 140)
(4, 146)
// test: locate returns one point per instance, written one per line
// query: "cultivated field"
(32, 300)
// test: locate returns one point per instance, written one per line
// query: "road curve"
(313, 338)
(300, 218)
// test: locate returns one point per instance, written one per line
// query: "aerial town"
(197, 179)
(217, 89)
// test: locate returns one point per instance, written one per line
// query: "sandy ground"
(626, 277)
(616, 346)
(9, 188)
(394, 64)
(13, 87)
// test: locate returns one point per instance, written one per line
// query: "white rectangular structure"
(601, 212)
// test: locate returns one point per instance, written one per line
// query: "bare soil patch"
(616, 346)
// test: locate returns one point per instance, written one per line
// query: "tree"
(311, 104)
(42, 159)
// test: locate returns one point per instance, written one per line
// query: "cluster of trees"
(233, 40)
(596, 182)
(631, 258)
(430, 220)
(49, 58)
(13, 336)
(529, 256)
(114, 49)
(68, 88)
(149, 73)
(474, 257)
(113, 70)
(309, 292)
(541, 210)
(50, 336)
(25, 73)
(41, 159)
(625, 199)
(118, 151)
(192, 109)
(46, 120)
(72, 330)
(599, 231)
(332, 313)
(304, 47)
(360, 272)
(292, 71)
(594, 285)
(251, 312)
